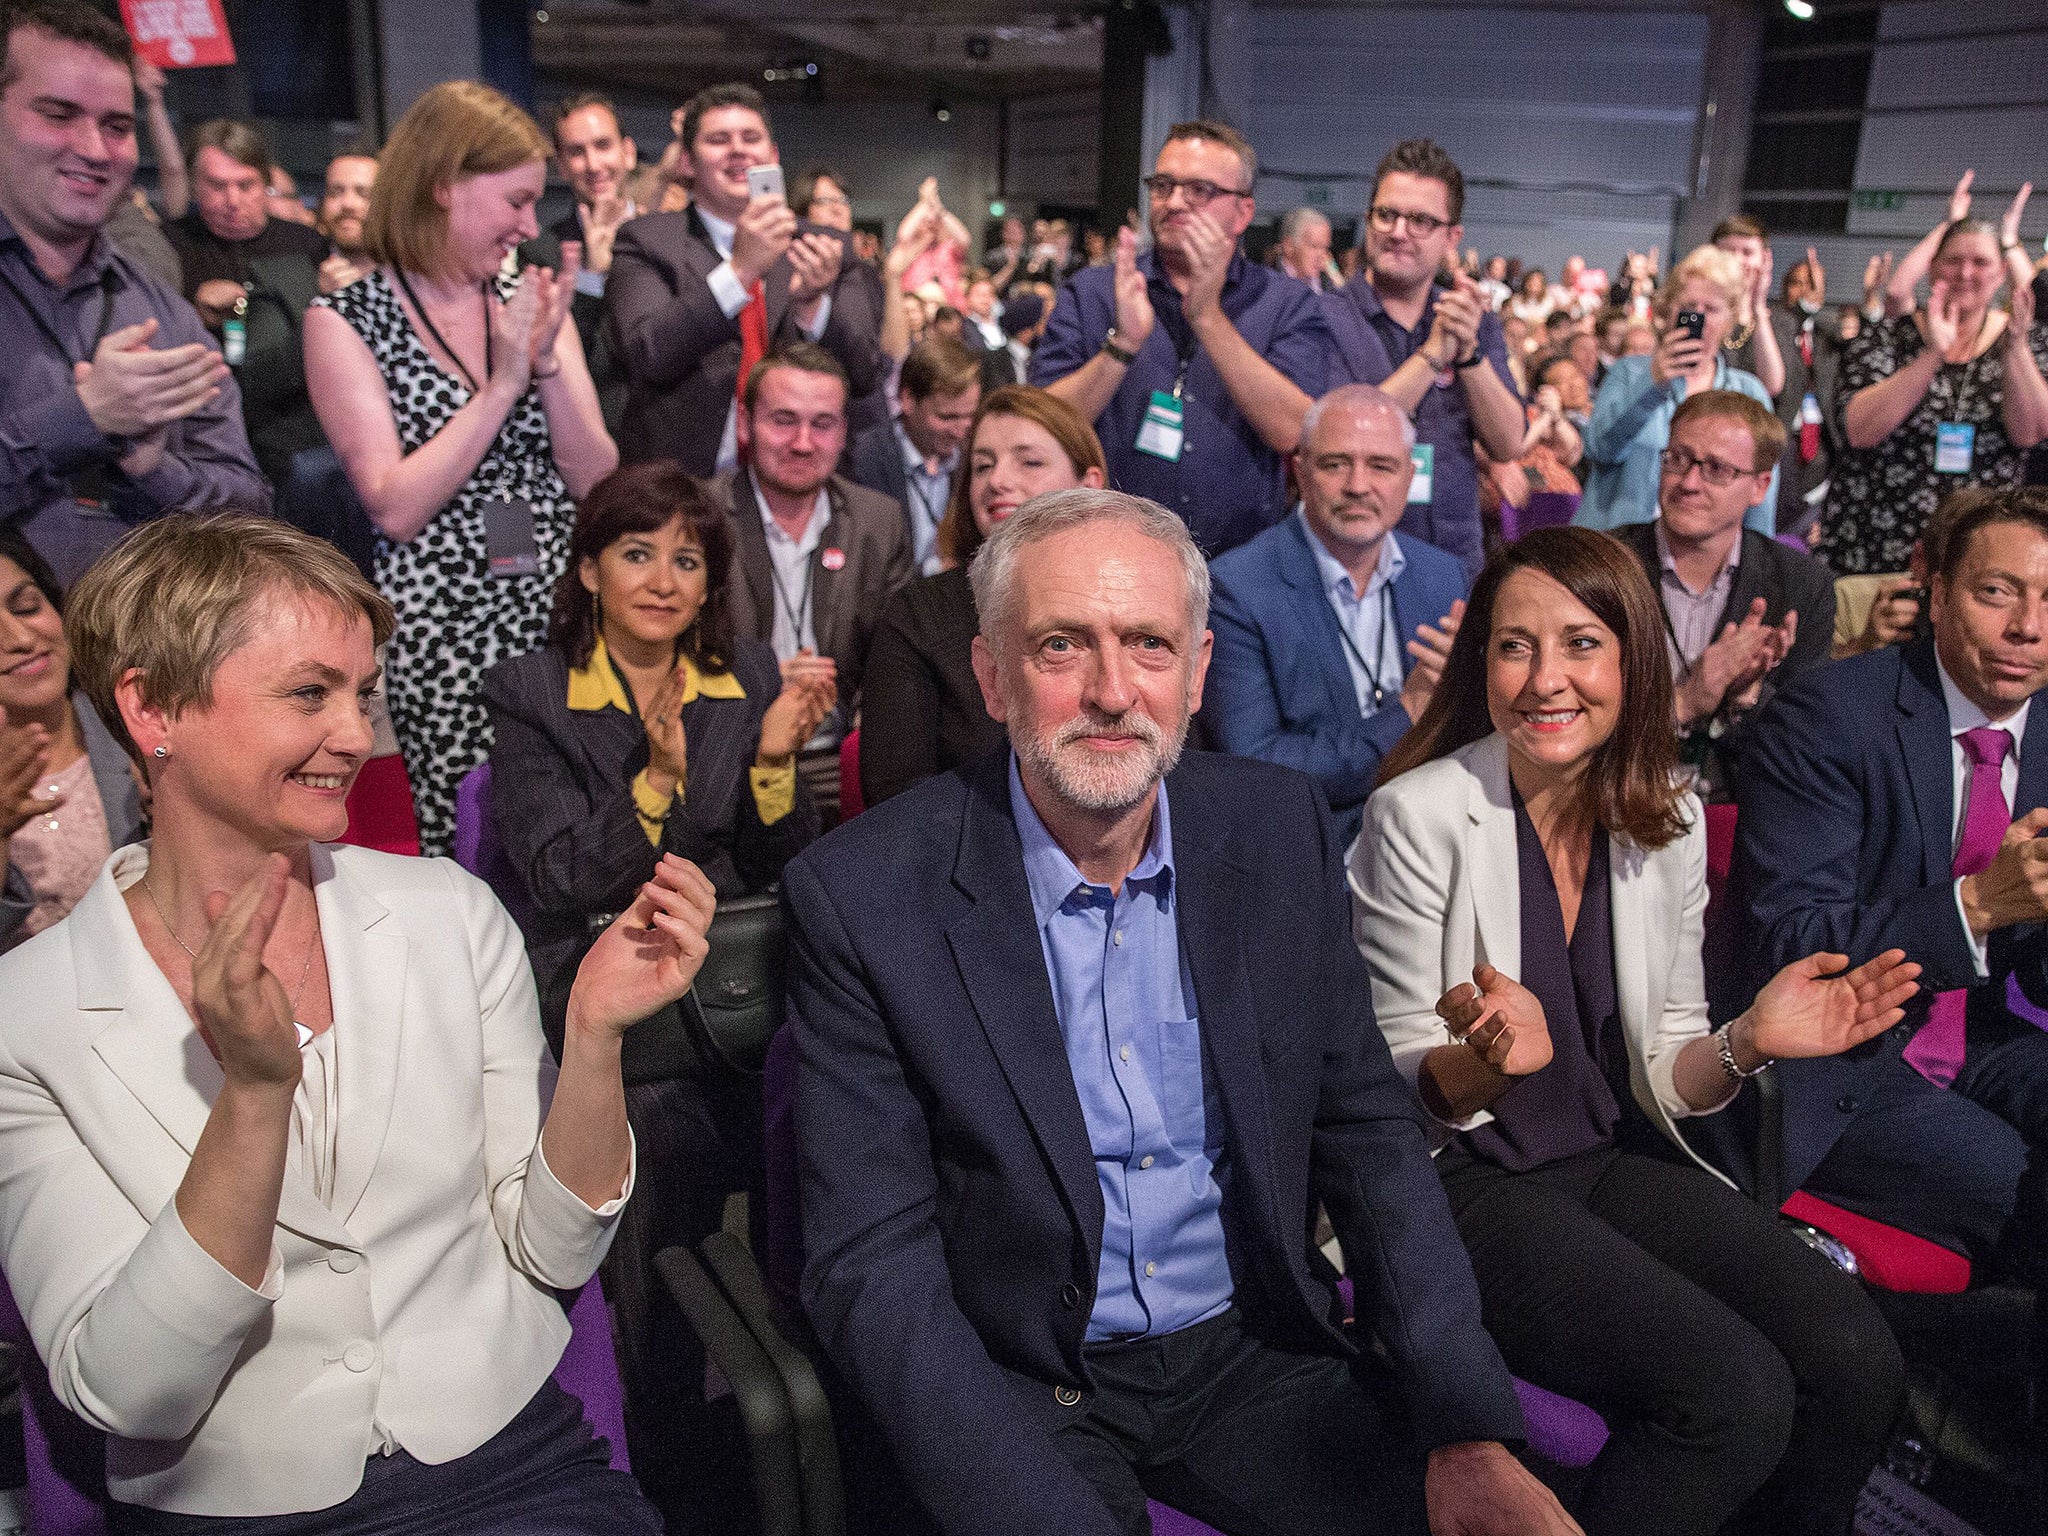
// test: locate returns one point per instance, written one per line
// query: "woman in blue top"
(1632, 413)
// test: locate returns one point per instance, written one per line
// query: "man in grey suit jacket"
(681, 283)
(816, 558)
(915, 459)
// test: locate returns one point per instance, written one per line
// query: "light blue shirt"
(1135, 1049)
(1371, 621)
(925, 495)
(1630, 429)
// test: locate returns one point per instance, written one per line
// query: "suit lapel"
(366, 965)
(756, 572)
(1299, 570)
(1746, 588)
(1496, 863)
(1924, 748)
(2032, 790)
(995, 944)
(1210, 908)
(827, 609)
(1628, 906)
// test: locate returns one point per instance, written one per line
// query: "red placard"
(179, 34)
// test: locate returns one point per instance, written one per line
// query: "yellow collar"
(598, 684)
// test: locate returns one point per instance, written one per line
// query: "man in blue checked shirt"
(1083, 1043)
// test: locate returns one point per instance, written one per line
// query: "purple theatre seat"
(476, 843)
(1547, 509)
(1167, 1521)
(589, 1370)
(1561, 1429)
(66, 1457)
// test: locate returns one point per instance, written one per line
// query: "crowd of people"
(702, 546)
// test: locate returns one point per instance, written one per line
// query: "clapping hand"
(244, 1013)
(793, 719)
(1429, 652)
(1944, 319)
(1500, 1020)
(24, 754)
(1959, 200)
(1877, 276)
(668, 754)
(557, 293)
(1820, 1007)
(649, 955)
(1208, 248)
(1134, 316)
(814, 265)
(1454, 329)
(131, 389)
(513, 323)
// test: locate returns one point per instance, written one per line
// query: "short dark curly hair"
(1431, 161)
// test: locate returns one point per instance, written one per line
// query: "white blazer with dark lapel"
(1436, 889)
(418, 1304)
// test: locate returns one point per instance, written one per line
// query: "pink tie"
(1936, 1052)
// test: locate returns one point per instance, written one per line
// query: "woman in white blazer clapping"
(1529, 889)
(288, 1178)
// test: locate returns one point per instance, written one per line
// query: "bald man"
(1331, 631)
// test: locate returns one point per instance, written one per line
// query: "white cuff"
(816, 328)
(727, 288)
(1979, 956)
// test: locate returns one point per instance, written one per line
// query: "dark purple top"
(1367, 345)
(1574, 1104)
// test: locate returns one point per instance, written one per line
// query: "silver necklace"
(291, 1002)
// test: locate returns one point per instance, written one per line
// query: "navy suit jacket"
(1845, 842)
(952, 1216)
(1279, 686)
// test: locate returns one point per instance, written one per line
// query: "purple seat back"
(1547, 509)
(472, 818)
(1168, 1521)
(589, 1370)
(63, 1496)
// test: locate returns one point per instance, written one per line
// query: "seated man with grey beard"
(1083, 1042)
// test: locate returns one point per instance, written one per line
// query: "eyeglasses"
(1199, 194)
(1424, 224)
(1678, 464)
(830, 200)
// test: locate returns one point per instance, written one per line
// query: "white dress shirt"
(795, 619)
(1964, 716)
(1367, 619)
(732, 297)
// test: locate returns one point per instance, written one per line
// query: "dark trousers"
(1965, 1166)
(1253, 1440)
(1734, 1366)
(543, 1474)
(698, 1140)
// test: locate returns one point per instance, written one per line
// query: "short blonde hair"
(177, 596)
(458, 129)
(1710, 264)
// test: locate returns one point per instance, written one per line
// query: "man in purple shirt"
(1195, 365)
(114, 406)
(1436, 348)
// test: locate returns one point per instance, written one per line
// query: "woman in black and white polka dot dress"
(462, 408)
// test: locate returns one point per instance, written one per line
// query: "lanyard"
(109, 281)
(441, 341)
(1685, 666)
(1372, 672)
(798, 613)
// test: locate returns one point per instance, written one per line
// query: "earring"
(163, 752)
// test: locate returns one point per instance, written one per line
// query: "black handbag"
(728, 1017)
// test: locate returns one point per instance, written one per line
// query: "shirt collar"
(814, 530)
(1965, 716)
(1336, 580)
(1053, 876)
(597, 684)
(719, 230)
(1666, 564)
(91, 266)
(913, 460)
(1149, 265)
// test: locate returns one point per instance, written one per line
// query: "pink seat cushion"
(1896, 1260)
(850, 802)
(380, 813)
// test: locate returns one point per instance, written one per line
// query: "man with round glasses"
(1438, 350)
(1195, 365)
(1743, 614)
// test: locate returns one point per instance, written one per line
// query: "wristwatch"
(1117, 349)
(1472, 361)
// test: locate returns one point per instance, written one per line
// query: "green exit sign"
(1878, 202)
(1316, 194)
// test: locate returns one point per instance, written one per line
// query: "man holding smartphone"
(694, 299)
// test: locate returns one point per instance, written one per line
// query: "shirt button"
(1070, 1295)
(1066, 1397)
(1148, 1270)
(343, 1261)
(1145, 1161)
(1118, 939)
(359, 1356)
(1124, 1054)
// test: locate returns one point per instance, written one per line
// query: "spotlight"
(1799, 10)
(979, 48)
(942, 109)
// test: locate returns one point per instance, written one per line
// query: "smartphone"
(1690, 321)
(765, 181)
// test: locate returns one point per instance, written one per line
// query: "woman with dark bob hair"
(1529, 890)
(646, 726)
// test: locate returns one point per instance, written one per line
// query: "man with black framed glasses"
(1195, 365)
(1431, 343)
(1743, 614)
